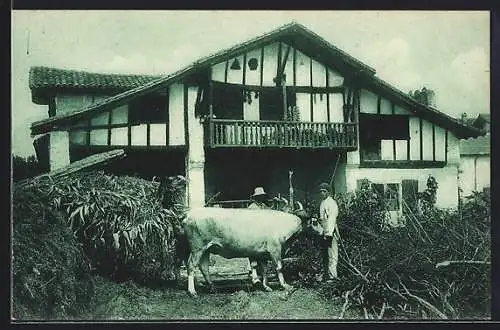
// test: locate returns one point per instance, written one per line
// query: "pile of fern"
(116, 225)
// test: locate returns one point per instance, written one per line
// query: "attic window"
(235, 65)
(253, 63)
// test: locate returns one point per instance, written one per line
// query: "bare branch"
(424, 303)
(382, 311)
(451, 262)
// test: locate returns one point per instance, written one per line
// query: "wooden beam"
(393, 110)
(110, 118)
(244, 65)
(262, 66)
(379, 101)
(327, 94)
(311, 81)
(129, 127)
(148, 134)
(283, 64)
(446, 146)
(433, 142)
(401, 164)
(186, 118)
(89, 124)
(295, 67)
(278, 76)
(421, 141)
(90, 162)
(52, 106)
(408, 151)
(225, 71)
(167, 118)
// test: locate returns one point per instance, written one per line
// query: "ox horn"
(300, 206)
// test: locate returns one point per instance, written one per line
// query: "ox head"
(309, 224)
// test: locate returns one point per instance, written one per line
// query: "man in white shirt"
(328, 212)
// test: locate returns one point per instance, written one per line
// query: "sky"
(448, 52)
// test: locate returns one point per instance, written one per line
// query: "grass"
(128, 301)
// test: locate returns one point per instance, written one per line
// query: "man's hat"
(259, 191)
(325, 186)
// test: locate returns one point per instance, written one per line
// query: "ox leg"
(253, 271)
(193, 261)
(279, 266)
(262, 264)
(204, 268)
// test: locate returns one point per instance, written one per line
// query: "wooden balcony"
(280, 134)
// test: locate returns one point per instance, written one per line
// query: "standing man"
(258, 203)
(328, 212)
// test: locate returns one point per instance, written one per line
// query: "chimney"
(431, 98)
(425, 96)
(463, 118)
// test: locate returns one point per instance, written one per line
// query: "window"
(392, 196)
(150, 108)
(227, 101)
(389, 192)
(271, 104)
(375, 128)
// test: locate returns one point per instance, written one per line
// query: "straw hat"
(259, 191)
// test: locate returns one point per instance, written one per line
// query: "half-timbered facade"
(244, 117)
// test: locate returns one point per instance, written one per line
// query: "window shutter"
(358, 184)
(379, 189)
(410, 194)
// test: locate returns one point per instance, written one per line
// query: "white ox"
(237, 233)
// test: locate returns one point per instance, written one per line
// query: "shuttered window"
(410, 195)
(392, 196)
(389, 192)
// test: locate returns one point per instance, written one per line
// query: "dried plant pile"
(50, 273)
(437, 266)
(118, 221)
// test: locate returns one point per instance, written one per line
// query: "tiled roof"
(44, 77)
(477, 146)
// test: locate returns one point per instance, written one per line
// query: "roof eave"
(458, 128)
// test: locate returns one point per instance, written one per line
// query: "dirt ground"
(235, 299)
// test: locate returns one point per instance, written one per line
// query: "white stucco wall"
(302, 69)
(67, 103)
(446, 177)
(474, 173)
(176, 114)
(59, 149)
(196, 155)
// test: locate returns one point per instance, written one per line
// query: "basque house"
(246, 116)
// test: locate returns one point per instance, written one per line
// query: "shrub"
(403, 272)
(23, 168)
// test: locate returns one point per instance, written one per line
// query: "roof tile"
(477, 146)
(44, 77)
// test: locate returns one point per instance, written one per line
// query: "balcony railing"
(266, 133)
